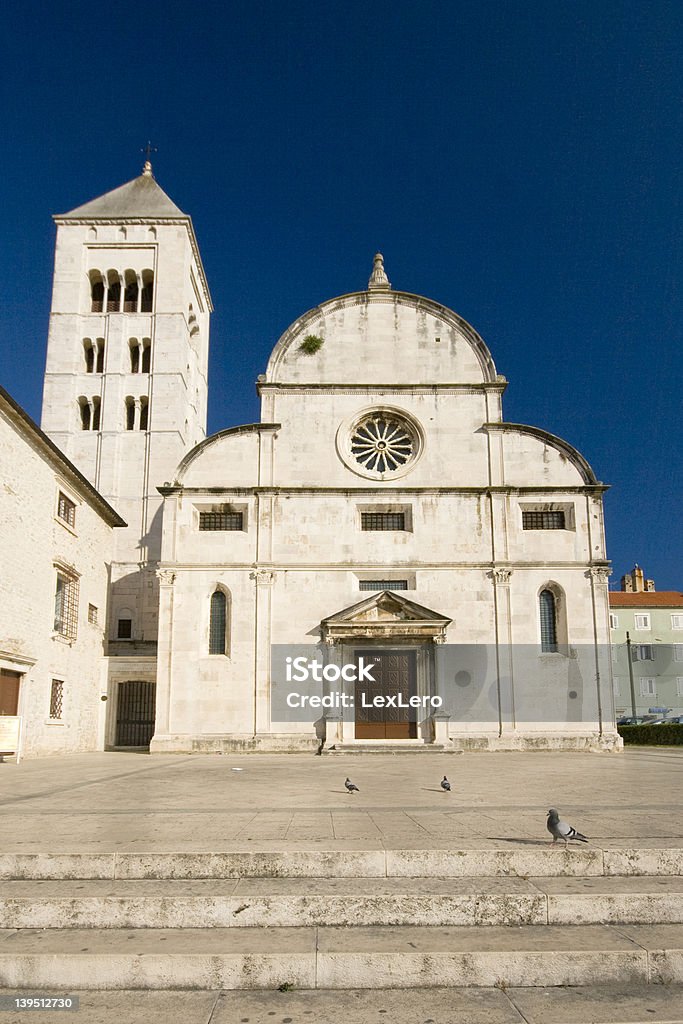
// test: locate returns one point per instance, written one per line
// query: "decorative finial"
(378, 278)
(148, 150)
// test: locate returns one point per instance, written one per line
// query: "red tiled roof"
(643, 599)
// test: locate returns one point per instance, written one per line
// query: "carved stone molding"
(263, 577)
(166, 577)
(600, 574)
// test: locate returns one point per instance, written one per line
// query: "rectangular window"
(56, 699)
(678, 652)
(66, 509)
(643, 652)
(643, 621)
(220, 520)
(382, 521)
(648, 688)
(66, 605)
(677, 621)
(125, 629)
(543, 520)
(613, 621)
(92, 614)
(383, 584)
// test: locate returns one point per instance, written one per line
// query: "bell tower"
(125, 393)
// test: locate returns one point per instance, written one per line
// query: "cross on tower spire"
(148, 150)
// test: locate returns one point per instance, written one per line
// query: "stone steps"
(340, 958)
(324, 902)
(532, 860)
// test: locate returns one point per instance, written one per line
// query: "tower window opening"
(147, 295)
(144, 412)
(99, 366)
(134, 355)
(130, 297)
(130, 413)
(85, 413)
(114, 297)
(146, 354)
(89, 353)
(97, 296)
(96, 413)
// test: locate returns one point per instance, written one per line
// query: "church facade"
(382, 512)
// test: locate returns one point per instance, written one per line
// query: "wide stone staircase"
(352, 919)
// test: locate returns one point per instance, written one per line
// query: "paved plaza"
(125, 802)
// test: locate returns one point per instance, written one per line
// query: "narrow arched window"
(147, 296)
(99, 367)
(130, 413)
(84, 409)
(134, 355)
(218, 622)
(146, 354)
(130, 295)
(144, 412)
(97, 296)
(89, 355)
(96, 413)
(548, 617)
(114, 297)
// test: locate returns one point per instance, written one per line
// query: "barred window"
(221, 520)
(92, 614)
(548, 621)
(543, 520)
(218, 620)
(382, 520)
(383, 584)
(56, 699)
(66, 605)
(66, 509)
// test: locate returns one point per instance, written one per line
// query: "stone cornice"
(378, 490)
(489, 387)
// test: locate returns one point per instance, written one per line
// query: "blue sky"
(518, 162)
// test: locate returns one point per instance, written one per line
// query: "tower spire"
(378, 278)
(147, 166)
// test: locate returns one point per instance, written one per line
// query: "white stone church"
(382, 509)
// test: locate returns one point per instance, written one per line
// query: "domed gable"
(380, 337)
(227, 459)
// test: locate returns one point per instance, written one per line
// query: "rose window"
(382, 443)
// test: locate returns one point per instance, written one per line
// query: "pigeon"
(561, 830)
(350, 787)
(445, 785)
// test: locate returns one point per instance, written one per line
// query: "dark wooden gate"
(135, 713)
(9, 692)
(395, 676)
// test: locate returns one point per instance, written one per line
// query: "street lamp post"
(630, 674)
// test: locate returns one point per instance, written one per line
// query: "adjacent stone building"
(57, 543)
(381, 510)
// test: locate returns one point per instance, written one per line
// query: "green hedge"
(653, 735)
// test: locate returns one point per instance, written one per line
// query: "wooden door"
(394, 674)
(9, 692)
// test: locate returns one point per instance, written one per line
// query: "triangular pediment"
(385, 614)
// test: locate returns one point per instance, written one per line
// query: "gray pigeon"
(350, 787)
(445, 785)
(561, 830)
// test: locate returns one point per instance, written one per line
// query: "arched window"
(97, 295)
(130, 413)
(96, 413)
(85, 413)
(147, 296)
(114, 295)
(218, 623)
(146, 354)
(548, 619)
(144, 412)
(89, 355)
(99, 365)
(130, 295)
(134, 355)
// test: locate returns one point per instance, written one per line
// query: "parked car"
(630, 720)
